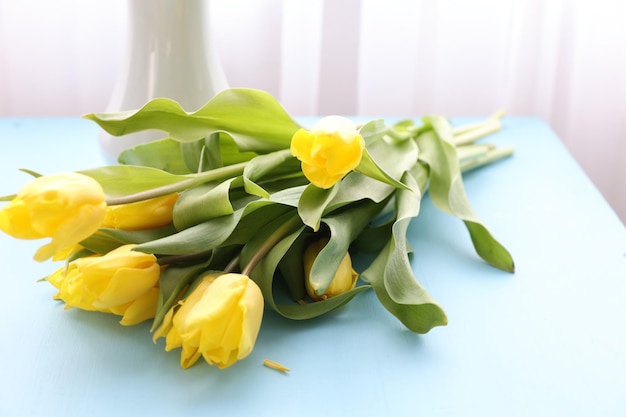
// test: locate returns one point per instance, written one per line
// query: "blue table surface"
(549, 340)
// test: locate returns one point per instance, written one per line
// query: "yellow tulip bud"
(219, 320)
(329, 151)
(147, 214)
(121, 282)
(65, 207)
(344, 280)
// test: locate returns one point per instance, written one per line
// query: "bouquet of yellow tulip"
(195, 230)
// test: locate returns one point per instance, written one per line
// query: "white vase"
(169, 53)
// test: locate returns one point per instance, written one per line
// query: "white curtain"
(561, 60)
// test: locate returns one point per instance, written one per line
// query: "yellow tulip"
(344, 280)
(65, 207)
(219, 320)
(329, 151)
(141, 215)
(122, 282)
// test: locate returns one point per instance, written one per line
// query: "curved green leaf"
(265, 273)
(219, 231)
(313, 202)
(277, 163)
(420, 314)
(448, 194)
(392, 276)
(201, 203)
(198, 238)
(119, 180)
(254, 220)
(344, 225)
(164, 154)
(318, 308)
(370, 168)
(291, 267)
(105, 239)
(255, 120)
(393, 157)
(373, 131)
(289, 196)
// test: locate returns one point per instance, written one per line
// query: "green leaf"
(272, 231)
(212, 152)
(420, 313)
(276, 163)
(448, 194)
(402, 130)
(254, 220)
(192, 154)
(393, 157)
(201, 203)
(228, 151)
(215, 151)
(374, 134)
(164, 154)
(215, 232)
(289, 196)
(105, 239)
(392, 276)
(198, 238)
(31, 172)
(372, 239)
(254, 119)
(313, 202)
(291, 267)
(318, 308)
(344, 225)
(369, 167)
(373, 131)
(119, 180)
(265, 273)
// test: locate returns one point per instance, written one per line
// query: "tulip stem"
(485, 159)
(232, 264)
(271, 241)
(192, 181)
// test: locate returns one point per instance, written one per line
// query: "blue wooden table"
(549, 340)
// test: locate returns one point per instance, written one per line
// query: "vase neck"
(170, 54)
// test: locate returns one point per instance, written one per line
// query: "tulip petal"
(319, 176)
(143, 308)
(15, 220)
(147, 214)
(331, 150)
(127, 284)
(219, 320)
(301, 144)
(73, 230)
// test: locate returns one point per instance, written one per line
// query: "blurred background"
(563, 61)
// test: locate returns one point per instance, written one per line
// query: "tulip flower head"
(122, 282)
(329, 151)
(147, 214)
(65, 207)
(219, 320)
(344, 280)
